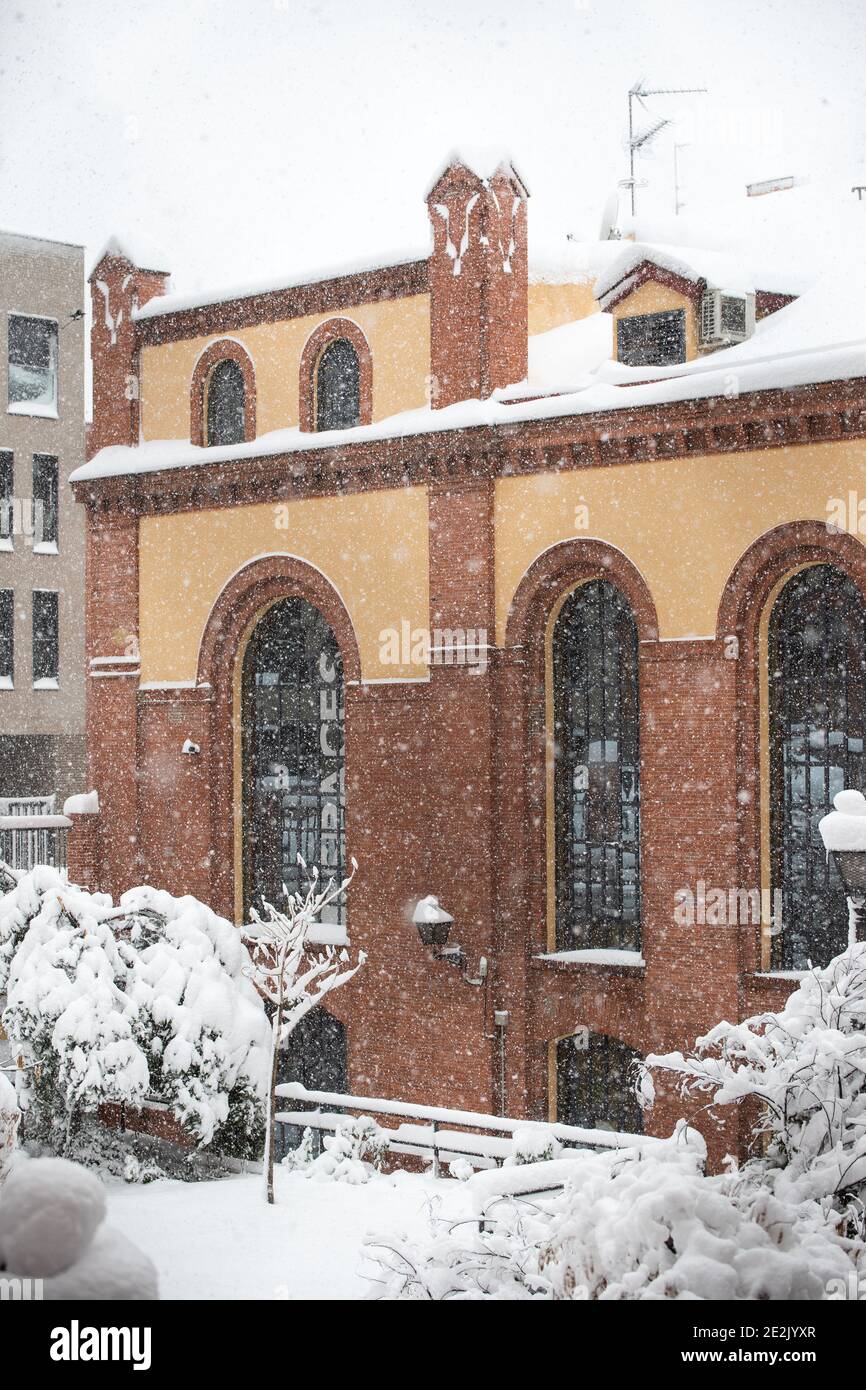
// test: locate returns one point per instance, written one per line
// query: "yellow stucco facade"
(371, 547)
(398, 333)
(683, 523)
(397, 330)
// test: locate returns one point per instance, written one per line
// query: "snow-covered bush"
(807, 1067)
(534, 1144)
(10, 1116)
(51, 1215)
(297, 1160)
(200, 1020)
(69, 1013)
(627, 1226)
(149, 999)
(354, 1153)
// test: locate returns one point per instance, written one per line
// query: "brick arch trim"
(244, 599)
(560, 567)
(223, 350)
(330, 332)
(775, 555)
(782, 550)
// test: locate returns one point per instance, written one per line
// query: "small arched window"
(817, 689)
(226, 404)
(595, 1083)
(338, 387)
(597, 771)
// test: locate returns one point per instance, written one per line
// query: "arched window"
(817, 689)
(338, 387)
(293, 757)
(225, 404)
(595, 1083)
(596, 771)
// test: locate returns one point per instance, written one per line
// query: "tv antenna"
(640, 141)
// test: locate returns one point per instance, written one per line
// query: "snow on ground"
(219, 1239)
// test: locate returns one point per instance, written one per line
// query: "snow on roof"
(563, 358)
(199, 299)
(718, 269)
(138, 250)
(613, 387)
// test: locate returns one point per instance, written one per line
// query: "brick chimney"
(117, 287)
(478, 280)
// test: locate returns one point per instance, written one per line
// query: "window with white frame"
(32, 347)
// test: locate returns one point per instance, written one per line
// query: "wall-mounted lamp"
(844, 834)
(434, 927)
(191, 749)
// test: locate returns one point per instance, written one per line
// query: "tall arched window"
(225, 404)
(817, 689)
(596, 771)
(293, 756)
(595, 1083)
(338, 387)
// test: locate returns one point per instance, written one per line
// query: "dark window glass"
(316, 1055)
(6, 489)
(294, 766)
(652, 340)
(817, 688)
(225, 404)
(595, 1083)
(338, 388)
(32, 362)
(45, 490)
(7, 636)
(46, 647)
(597, 771)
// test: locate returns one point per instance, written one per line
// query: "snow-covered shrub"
(200, 1019)
(297, 1160)
(10, 1116)
(807, 1067)
(628, 1226)
(533, 1145)
(51, 1215)
(354, 1153)
(115, 1004)
(69, 1013)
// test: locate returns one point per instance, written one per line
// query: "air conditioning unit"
(726, 318)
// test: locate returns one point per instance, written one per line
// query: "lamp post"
(434, 927)
(843, 831)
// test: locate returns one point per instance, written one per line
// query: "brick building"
(513, 580)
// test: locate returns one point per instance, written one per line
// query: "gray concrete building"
(42, 750)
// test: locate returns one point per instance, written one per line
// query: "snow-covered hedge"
(628, 1226)
(149, 999)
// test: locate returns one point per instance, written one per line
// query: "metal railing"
(27, 840)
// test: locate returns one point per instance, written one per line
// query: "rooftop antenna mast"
(637, 142)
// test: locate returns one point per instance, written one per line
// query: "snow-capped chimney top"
(478, 278)
(118, 286)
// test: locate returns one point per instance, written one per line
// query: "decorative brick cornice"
(820, 413)
(320, 297)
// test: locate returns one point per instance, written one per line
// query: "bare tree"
(293, 975)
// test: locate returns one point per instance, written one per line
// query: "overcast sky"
(257, 137)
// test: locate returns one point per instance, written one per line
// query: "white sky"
(257, 137)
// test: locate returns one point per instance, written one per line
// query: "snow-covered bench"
(443, 1135)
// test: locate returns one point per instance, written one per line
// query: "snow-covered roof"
(245, 289)
(718, 269)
